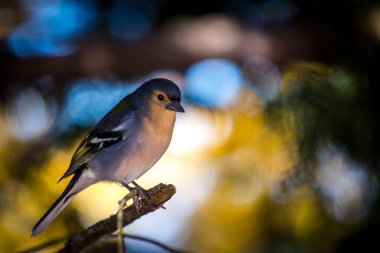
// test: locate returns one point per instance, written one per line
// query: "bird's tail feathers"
(68, 194)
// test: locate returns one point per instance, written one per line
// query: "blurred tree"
(332, 105)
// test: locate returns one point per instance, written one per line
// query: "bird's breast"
(147, 148)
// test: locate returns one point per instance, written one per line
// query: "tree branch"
(159, 195)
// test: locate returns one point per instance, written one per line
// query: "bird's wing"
(109, 131)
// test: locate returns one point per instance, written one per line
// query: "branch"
(159, 195)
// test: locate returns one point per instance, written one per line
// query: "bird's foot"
(140, 195)
(142, 192)
(138, 199)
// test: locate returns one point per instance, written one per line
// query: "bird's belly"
(145, 152)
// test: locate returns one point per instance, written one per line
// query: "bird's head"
(160, 94)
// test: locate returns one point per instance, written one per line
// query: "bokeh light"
(348, 188)
(30, 115)
(214, 82)
(89, 100)
(211, 34)
(51, 27)
(374, 22)
(264, 77)
(198, 131)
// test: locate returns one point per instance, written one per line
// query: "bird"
(123, 145)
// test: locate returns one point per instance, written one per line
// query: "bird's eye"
(160, 97)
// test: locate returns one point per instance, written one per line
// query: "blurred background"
(278, 148)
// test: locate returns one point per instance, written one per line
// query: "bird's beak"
(175, 106)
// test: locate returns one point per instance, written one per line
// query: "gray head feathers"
(161, 85)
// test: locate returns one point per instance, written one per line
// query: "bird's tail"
(68, 194)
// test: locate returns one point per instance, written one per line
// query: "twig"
(159, 195)
(135, 237)
(159, 244)
(122, 203)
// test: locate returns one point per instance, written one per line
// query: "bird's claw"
(139, 197)
(140, 194)
(137, 204)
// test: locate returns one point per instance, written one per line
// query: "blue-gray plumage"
(126, 143)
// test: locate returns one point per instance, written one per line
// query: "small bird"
(125, 143)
